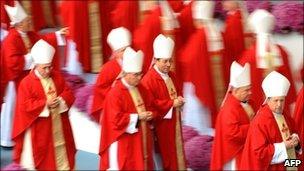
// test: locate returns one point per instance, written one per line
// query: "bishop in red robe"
(126, 138)
(271, 136)
(233, 121)
(168, 100)
(119, 39)
(42, 132)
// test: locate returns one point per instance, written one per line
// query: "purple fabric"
(253, 5)
(73, 81)
(89, 104)
(13, 166)
(289, 16)
(188, 133)
(198, 152)
(82, 96)
(218, 10)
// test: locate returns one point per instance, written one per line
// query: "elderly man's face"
(242, 93)
(276, 104)
(44, 69)
(133, 78)
(164, 65)
(26, 24)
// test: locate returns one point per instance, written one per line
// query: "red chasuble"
(299, 120)
(165, 128)
(257, 76)
(106, 77)
(262, 134)
(196, 55)
(89, 25)
(230, 133)
(118, 106)
(234, 38)
(31, 100)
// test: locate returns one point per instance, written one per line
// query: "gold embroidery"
(59, 143)
(140, 107)
(218, 78)
(285, 133)
(95, 36)
(178, 135)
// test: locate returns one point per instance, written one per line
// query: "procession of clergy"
(138, 100)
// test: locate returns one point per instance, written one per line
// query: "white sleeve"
(45, 112)
(62, 105)
(28, 62)
(280, 153)
(60, 39)
(131, 129)
(169, 114)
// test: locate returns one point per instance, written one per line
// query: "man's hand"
(292, 141)
(64, 31)
(179, 101)
(53, 103)
(295, 139)
(145, 116)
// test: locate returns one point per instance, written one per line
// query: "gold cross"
(285, 130)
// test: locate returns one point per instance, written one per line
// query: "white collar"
(277, 114)
(38, 74)
(124, 82)
(22, 34)
(164, 76)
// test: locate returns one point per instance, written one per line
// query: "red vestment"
(165, 128)
(234, 38)
(106, 77)
(31, 100)
(76, 15)
(299, 120)
(196, 55)
(230, 134)
(257, 76)
(259, 146)
(118, 106)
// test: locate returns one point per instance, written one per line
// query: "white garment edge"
(169, 114)
(60, 39)
(113, 161)
(28, 62)
(131, 129)
(27, 159)
(62, 105)
(45, 112)
(230, 165)
(280, 153)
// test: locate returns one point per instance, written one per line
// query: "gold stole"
(178, 136)
(27, 6)
(27, 43)
(140, 107)
(149, 5)
(95, 36)
(270, 64)
(285, 133)
(249, 111)
(47, 12)
(217, 77)
(58, 136)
